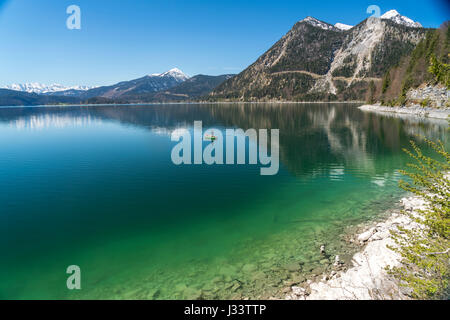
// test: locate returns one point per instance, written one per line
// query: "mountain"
(174, 73)
(191, 89)
(396, 17)
(20, 98)
(196, 87)
(316, 61)
(40, 88)
(185, 89)
(148, 84)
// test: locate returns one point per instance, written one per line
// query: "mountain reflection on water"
(309, 133)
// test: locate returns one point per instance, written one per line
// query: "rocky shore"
(366, 278)
(426, 101)
(423, 112)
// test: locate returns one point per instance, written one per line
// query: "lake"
(95, 186)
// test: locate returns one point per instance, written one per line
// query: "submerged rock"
(322, 249)
(153, 294)
(297, 278)
(192, 294)
(249, 268)
(138, 293)
(227, 270)
(337, 261)
(180, 287)
(236, 286)
(294, 266)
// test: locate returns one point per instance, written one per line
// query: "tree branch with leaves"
(425, 249)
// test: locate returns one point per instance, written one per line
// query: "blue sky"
(122, 40)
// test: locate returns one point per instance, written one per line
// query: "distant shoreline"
(179, 103)
(417, 111)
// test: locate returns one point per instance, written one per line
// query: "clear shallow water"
(95, 187)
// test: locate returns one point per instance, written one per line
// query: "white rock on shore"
(363, 237)
(413, 110)
(367, 279)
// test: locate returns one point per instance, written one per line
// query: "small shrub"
(425, 103)
(425, 251)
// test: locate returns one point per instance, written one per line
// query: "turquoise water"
(95, 187)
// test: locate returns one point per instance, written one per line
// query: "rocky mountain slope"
(317, 61)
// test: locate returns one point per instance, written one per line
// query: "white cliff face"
(361, 46)
(359, 49)
(393, 15)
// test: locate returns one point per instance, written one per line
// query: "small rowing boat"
(210, 137)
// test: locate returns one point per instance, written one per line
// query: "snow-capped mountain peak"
(174, 73)
(396, 17)
(40, 88)
(342, 26)
(175, 70)
(390, 14)
(317, 23)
